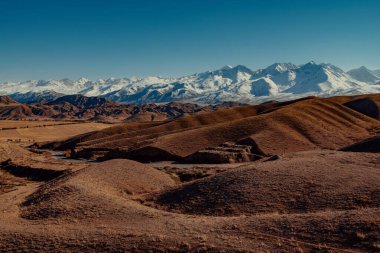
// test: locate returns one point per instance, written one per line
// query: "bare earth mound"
(4, 100)
(316, 201)
(371, 145)
(94, 190)
(123, 176)
(369, 106)
(275, 128)
(9, 151)
(296, 183)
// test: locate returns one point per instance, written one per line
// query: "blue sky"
(48, 39)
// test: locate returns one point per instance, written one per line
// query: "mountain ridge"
(82, 108)
(363, 74)
(279, 81)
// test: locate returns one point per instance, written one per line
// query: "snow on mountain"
(321, 78)
(283, 74)
(31, 96)
(363, 74)
(376, 72)
(264, 87)
(64, 86)
(279, 81)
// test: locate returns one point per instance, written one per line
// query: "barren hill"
(296, 183)
(369, 106)
(370, 145)
(4, 100)
(93, 190)
(273, 128)
(314, 201)
(80, 101)
(79, 107)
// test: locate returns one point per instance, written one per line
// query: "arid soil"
(371, 145)
(314, 187)
(18, 124)
(39, 131)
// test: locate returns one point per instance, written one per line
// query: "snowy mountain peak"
(363, 74)
(376, 72)
(224, 76)
(230, 69)
(281, 67)
(279, 81)
(227, 67)
(83, 80)
(242, 68)
(312, 65)
(264, 87)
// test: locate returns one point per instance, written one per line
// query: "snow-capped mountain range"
(280, 81)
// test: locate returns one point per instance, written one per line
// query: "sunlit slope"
(276, 128)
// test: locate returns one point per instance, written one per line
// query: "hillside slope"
(287, 185)
(79, 107)
(273, 128)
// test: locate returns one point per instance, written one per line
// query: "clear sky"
(53, 39)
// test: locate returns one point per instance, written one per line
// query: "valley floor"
(36, 131)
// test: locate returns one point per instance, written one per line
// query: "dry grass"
(8, 124)
(55, 131)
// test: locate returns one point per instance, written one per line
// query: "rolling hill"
(267, 129)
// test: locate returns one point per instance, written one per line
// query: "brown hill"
(273, 128)
(371, 145)
(10, 109)
(9, 151)
(184, 123)
(79, 107)
(91, 191)
(369, 106)
(15, 111)
(4, 100)
(315, 201)
(81, 101)
(296, 183)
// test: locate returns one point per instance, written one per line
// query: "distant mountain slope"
(80, 101)
(279, 81)
(363, 74)
(377, 72)
(33, 97)
(323, 78)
